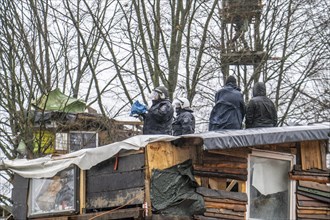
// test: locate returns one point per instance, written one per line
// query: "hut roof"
(87, 158)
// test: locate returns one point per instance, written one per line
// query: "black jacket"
(158, 119)
(184, 123)
(261, 111)
(229, 110)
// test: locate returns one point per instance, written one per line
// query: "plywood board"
(162, 155)
(133, 196)
(310, 155)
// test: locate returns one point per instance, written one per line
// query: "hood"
(259, 89)
(231, 85)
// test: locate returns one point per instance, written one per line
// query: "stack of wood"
(314, 175)
(227, 164)
(313, 200)
(220, 204)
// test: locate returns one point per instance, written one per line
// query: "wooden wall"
(312, 176)
(116, 182)
(222, 175)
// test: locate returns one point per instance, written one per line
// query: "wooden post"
(147, 177)
(82, 191)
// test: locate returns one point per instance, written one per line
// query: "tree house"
(240, 34)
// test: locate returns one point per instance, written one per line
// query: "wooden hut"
(264, 173)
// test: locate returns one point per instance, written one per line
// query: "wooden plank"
(147, 198)
(310, 155)
(313, 204)
(313, 212)
(220, 170)
(222, 194)
(82, 191)
(110, 199)
(311, 173)
(313, 185)
(318, 179)
(276, 148)
(323, 149)
(215, 157)
(220, 175)
(314, 207)
(319, 198)
(225, 164)
(314, 217)
(54, 218)
(201, 217)
(217, 205)
(225, 211)
(123, 213)
(241, 152)
(304, 198)
(217, 183)
(162, 155)
(231, 185)
(205, 182)
(242, 186)
(168, 217)
(223, 216)
(229, 201)
(314, 191)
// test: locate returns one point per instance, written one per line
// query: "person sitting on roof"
(184, 123)
(229, 109)
(261, 111)
(158, 119)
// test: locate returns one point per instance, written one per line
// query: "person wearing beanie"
(261, 111)
(229, 109)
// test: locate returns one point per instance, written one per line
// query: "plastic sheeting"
(86, 158)
(56, 101)
(223, 139)
(46, 167)
(173, 191)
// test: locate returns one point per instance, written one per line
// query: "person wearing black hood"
(159, 118)
(229, 109)
(261, 111)
(184, 123)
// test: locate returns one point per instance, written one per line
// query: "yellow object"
(45, 140)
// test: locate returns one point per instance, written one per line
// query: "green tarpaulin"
(56, 101)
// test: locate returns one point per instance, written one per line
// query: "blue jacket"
(229, 109)
(158, 119)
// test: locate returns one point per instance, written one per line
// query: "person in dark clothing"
(261, 111)
(184, 123)
(229, 109)
(159, 118)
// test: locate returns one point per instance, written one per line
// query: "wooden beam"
(231, 185)
(147, 176)
(111, 214)
(82, 191)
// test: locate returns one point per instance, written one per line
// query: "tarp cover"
(86, 158)
(56, 101)
(45, 167)
(173, 191)
(223, 139)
